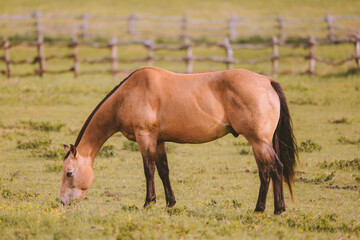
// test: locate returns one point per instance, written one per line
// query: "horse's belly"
(195, 131)
(192, 137)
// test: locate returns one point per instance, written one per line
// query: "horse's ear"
(66, 148)
(73, 150)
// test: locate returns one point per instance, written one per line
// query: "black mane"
(81, 133)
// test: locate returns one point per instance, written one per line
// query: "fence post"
(229, 53)
(40, 41)
(41, 56)
(232, 27)
(150, 47)
(184, 28)
(330, 24)
(357, 49)
(7, 58)
(85, 26)
(75, 55)
(281, 23)
(113, 57)
(275, 56)
(312, 59)
(189, 56)
(131, 25)
(39, 30)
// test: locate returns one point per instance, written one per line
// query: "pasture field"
(211, 9)
(216, 184)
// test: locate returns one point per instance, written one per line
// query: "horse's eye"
(69, 174)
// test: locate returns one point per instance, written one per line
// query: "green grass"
(216, 184)
(212, 9)
(334, 52)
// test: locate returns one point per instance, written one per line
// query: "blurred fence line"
(187, 46)
(146, 26)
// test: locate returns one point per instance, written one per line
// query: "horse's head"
(78, 175)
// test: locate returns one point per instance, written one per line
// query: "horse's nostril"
(69, 174)
(65, 202)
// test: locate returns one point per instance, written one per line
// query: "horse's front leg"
(163, 170)
(147, 146)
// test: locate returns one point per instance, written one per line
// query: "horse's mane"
(82, 131)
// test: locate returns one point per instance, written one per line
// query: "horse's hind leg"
(277, 177)
(269, 167)
(147, 146)
(163, 170)
(263, 160)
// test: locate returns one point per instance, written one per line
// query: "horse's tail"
(284, 141)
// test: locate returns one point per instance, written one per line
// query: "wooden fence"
(147, 26)
(189, 58)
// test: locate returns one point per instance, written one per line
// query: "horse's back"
(194, 107)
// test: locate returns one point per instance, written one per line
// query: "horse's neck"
(100, 128)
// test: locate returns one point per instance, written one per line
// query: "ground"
(216, 184)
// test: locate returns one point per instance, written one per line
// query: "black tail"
(284, 141)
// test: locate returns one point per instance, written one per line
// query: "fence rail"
(136, 26)
(187, 46)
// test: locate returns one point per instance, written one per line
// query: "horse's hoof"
(279, 211)
(149, 203)
(259, 210)
(170, 204)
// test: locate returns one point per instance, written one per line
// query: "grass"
(216, 184)
(345, 140)
(309, 146)
(33, 144)
(300, 8)
(342, 164)
(342, 120)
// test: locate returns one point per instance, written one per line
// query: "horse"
(153, 106)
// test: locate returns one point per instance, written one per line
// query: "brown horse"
(153, 106)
